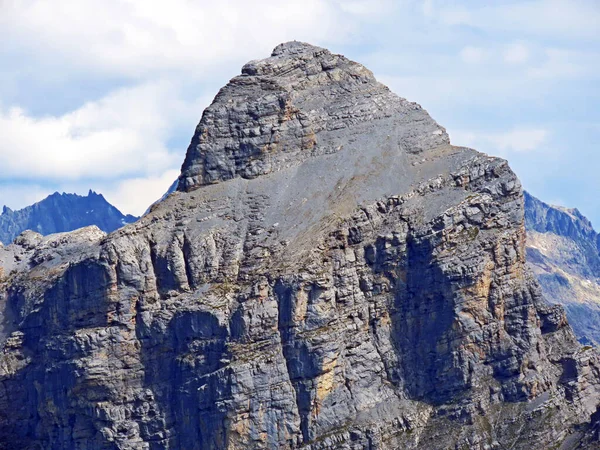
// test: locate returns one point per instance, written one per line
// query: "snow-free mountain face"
(562, 246)
(563, 251)
(62, 212)
(330, 273)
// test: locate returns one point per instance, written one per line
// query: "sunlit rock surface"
(563, 251)
(330, 274)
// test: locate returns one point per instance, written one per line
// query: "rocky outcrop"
(331, 273)
(62, 212)
(562, 250)
(298, 105)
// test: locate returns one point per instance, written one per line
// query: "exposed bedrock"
(331, 273)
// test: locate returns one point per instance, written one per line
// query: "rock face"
(62, 212)
(300, 104)
(564, 253)
(330, 274)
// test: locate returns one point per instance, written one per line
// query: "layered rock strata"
(330, 274)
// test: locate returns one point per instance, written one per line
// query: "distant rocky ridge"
(62, 212)
(564, 252)
(331, 273)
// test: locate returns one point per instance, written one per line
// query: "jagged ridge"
(62, 212)
(562, 248)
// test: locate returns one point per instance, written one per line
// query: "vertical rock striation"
(331, 273)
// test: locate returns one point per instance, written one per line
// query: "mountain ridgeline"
(564, 252)
(331, 273)
(62, 212)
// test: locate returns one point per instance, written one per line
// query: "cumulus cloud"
(122, 134)
(134, 195)
(17, 196)
(133, 38)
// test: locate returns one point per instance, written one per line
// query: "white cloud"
(501, 143)
(134, 195)
(136, 38)
(516, 53)
(437, 91)
(122, 134)
(553, 18)
(130, 195)
(472, 55)
(519, 140)
(524, 57)
(121, 142)
(560, 63)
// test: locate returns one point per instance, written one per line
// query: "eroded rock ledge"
(331, 274)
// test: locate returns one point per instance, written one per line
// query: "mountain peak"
(564, 254)
(295, 48)
(62, 212)
(301, 102)
(543, 217)
(341, 277)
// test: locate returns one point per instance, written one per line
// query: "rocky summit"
(331, 273)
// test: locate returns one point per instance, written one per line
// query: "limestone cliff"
(330, 274)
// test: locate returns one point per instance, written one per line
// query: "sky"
(106, 95)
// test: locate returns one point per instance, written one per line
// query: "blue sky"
(106, 95)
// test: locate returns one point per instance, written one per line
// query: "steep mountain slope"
(62, 212)
(331, 273)
(563, 251)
